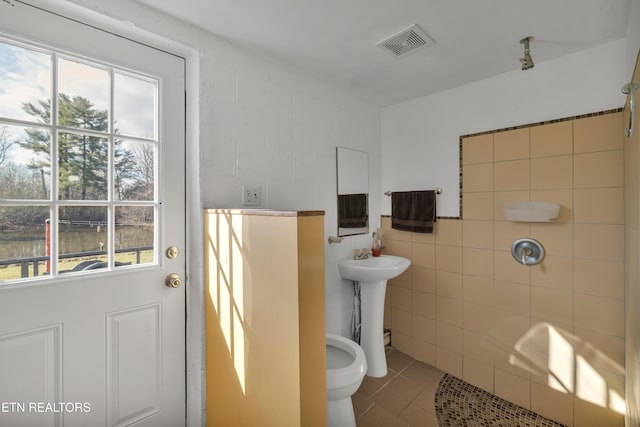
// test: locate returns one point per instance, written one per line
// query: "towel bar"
(437, 190)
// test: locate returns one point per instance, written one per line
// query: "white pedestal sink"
(373, 273)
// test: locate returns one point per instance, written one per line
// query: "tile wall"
(548, 337)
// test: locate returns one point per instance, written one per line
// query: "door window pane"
(25, 79)
(82, 238)
(134, 235)
(23, 234)
(83, 98)
(99, 150)
(25, 170)
(134, 106)
(134, 170)
(82, 167)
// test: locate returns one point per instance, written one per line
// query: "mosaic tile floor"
(418, 395)
(459, 403)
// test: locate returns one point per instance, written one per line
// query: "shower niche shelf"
(531, 211)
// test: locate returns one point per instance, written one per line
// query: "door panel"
(104, 345)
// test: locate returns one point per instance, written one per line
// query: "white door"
(91, 197)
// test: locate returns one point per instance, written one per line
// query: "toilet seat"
(346, 363)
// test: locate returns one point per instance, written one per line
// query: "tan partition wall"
(265, 352)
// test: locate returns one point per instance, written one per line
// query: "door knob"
(173, 280)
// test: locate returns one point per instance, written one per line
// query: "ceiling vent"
(406, 41)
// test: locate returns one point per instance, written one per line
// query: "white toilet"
(346, 366)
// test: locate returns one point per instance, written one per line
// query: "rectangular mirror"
(353, 191)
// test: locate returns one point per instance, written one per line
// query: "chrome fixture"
(437, 190)
(630, 89)
(527, 251)
(527, 61)
(335, 239)
(363, 253)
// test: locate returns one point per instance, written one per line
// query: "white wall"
(420, 138)
(633, 36)
(251, 121)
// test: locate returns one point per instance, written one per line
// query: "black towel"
(352, 210)
(413, 211)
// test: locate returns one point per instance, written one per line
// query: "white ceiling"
(335, 40)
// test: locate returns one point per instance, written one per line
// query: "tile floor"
(405, 397)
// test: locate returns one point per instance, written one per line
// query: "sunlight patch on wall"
(227, 293)
(571, 365)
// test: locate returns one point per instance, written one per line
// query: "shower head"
(526, 61)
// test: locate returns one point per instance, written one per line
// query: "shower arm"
(629, 89)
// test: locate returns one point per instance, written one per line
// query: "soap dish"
(531, 211)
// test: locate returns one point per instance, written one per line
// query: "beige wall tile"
(385, 224)
(588, 414)
(449, 337)
(423, 255)
(554, 139)
(448, 232)
(551, 403)
(599, 241)
(477, 149)
(503, 198)
(448, 284)
(511, 145)
(397, 235)
(478, 319)
(429, 238)
(599, 205)
(599, 314)
(552, 173)
(551, 305)
(449, 310)
(405, 280)
(401, 248)
(511, 328)
(507, 269)
(598, 133)
(424, 304)
(511, 175)
(511, 297)
(477, 234)
(424, 329)
(449, 361)
(508, 359)
(402, 321)
(401, 298)
(477, 262)
(553, 272)
(477, 177)
(595, 170)
(402, 342)
(478, 347)
(562, 197)
(506, 232)
(556, 238)
(478, 373)
(477, 290)
(423, 279)
(601, 278)
(477, 206)
(449, 258)
(512, 388)
(612, 348)
(387, 316)
(423, 351)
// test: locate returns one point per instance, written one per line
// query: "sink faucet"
(361, 253)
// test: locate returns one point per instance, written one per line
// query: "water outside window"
(78, 165)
